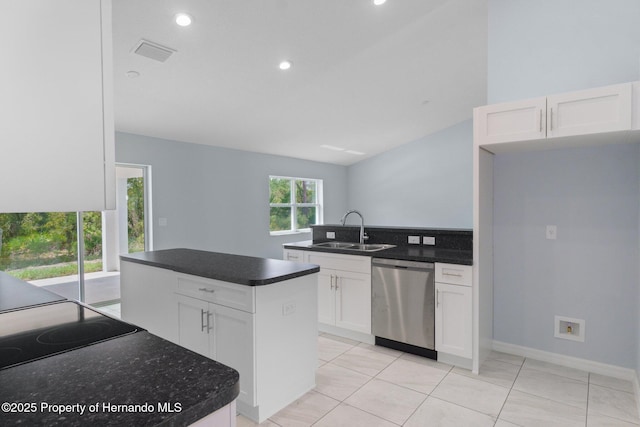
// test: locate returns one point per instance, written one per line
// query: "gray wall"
(592, 195)
(218, 199)
(425, 183)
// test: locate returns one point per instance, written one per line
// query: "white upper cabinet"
(57, 129)
(603, 109)
(536, 122)
(513, 121)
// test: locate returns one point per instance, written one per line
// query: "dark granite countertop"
(139, 368)
(409, 253)
(14, 293)
(240, 269)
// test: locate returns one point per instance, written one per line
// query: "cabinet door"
(57, 114)
(353, 301)
(293, 255)
(232, 343)
(603, 109)
(326, 296)
(512, 121)
(453, 319)
(193, 331)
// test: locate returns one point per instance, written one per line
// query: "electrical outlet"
(414, 240)
(162, 222)
(428, 240)
(331, 234)
(552, 232)
(288, 308)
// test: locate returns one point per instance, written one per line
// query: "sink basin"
(365, 247)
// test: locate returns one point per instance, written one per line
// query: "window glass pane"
(38, 245)
(92, 222)
(279, 190)
(280, 219)
(135, 214)
(305, 191)
(306, 217)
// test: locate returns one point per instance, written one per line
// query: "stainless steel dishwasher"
(403, 305)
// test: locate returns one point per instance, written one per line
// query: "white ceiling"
(365, 78)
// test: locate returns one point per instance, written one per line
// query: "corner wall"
(424, 183)
(591, 194)
(217, 199)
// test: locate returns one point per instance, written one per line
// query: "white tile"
(613, 403)
(595, 420)
(246, 422)
(305, 411)
(436, 412)
(552, 368)
(338, 382)
(381, 349)
(551, 386)
(472, 393)
(506, 357)
(426, 361)
(365, 361)
(386, 400)
(610, 382)
(527, 410)
(330, 348)
(503, 423)
(347, 416)
(493, 371)
(407, 373)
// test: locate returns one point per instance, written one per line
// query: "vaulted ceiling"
(364, 79)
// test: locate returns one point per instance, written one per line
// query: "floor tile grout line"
(510, 390)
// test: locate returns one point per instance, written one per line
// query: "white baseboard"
(636, 389)
(569, 361)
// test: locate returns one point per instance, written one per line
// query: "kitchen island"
(133, 379)
(257, 315)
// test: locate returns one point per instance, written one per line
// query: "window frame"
(293, 205)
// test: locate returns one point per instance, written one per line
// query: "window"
(294, 204)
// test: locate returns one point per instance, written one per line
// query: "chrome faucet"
(344, 219)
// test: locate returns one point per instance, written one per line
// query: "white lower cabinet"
(221, 333)
(344, 290)
(267, 333)
(454, 307)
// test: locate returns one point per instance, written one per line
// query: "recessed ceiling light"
(184, 19)
(379, 2)
(285, 65)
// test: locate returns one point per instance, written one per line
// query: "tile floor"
(359, 384)
(362, 385)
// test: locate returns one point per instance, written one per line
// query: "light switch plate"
(552, 232)
(428, 240)
(414, 240)
(331, 234)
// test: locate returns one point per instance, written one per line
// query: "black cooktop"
(36, 332)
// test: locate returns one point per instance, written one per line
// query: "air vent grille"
(153, 50)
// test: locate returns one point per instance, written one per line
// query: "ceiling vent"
(153, 50)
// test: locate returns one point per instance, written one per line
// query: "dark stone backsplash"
(460, 239)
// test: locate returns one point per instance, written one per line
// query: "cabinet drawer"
(355, 263)
(455, 274)
(293, 255)
(228, 294)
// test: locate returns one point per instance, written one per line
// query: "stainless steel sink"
(364, 247)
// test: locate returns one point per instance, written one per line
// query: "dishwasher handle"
(402, 264)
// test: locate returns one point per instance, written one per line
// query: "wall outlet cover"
(414, 240)
(428, 240)
(331, 234)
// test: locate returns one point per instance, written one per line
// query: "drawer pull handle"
(444, 273)
(207, 290)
